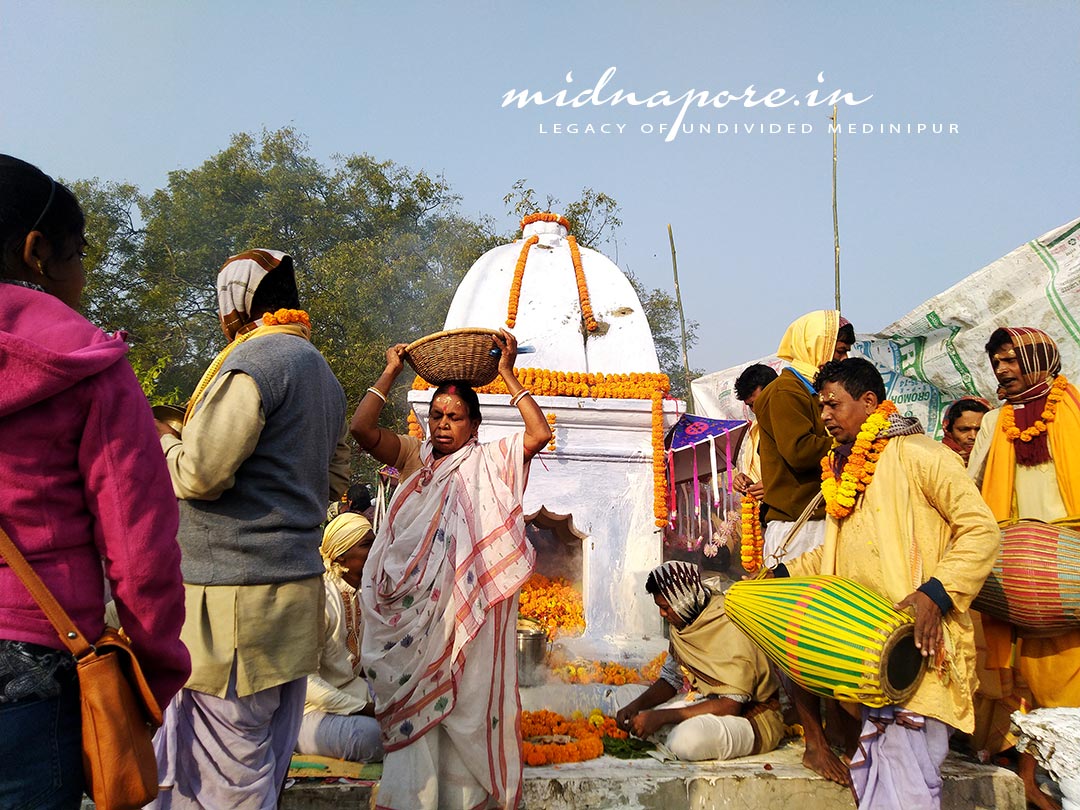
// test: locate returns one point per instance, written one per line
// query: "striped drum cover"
(1035, 582)
(832, 636)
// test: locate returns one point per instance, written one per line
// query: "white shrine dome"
(549, 313)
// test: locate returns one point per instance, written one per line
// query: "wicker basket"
(455, 354)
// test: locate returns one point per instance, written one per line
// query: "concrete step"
(775, 780)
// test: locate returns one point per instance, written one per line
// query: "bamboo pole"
(682, 322)
(835, 221)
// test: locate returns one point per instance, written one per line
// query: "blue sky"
(132, 90)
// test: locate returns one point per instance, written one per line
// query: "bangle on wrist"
(520, 395)
(378, 393)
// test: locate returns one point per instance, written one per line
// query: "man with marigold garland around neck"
(261, 454)
(792, 442)
(905, 521)
(737, 712)
(1020, 460)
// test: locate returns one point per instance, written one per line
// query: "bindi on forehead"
(449, 403)
(1005, 353)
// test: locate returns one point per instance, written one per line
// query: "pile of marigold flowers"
(651, 671)
(551, 739)
(605, 672)
(554, 604)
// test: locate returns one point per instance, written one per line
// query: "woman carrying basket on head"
(440, 596)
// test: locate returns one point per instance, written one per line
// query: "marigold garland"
(544, 216)
(584, 736)
(554, 604)
(515, 285)
(858, 472)
(415, 429)
(582, 290)
(1008, 415)
(284, 316)
(659, 468)
(551, 423)
(544, 382)
(753, 543)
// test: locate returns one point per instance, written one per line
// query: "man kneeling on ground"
(738, 711)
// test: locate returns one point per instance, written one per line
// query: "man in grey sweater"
(261, 453)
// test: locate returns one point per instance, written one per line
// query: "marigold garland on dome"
(554, 604)
(551, 739)
(545, 216)
(415, 429)
(1008, 415)
(543, 382)
(582, 290)
(551, 423)
(858, 472)
(285, 316)
(753, 543)
(635, 385)
(515, 285)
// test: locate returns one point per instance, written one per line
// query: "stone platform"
(774, 780)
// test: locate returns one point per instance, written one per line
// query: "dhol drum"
(1035, 582)
(832, 636)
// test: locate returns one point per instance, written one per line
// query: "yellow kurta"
(921, 517)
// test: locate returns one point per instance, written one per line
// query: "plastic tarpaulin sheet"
(934, 354)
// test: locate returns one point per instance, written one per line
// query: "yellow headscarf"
(341, 534)
(810, 341)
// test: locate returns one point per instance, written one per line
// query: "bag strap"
(778, 555)
(65, 627)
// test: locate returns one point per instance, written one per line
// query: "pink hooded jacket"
(83, 482)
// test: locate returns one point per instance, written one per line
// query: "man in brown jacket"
(793, 439)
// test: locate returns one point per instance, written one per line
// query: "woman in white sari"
(440, 597)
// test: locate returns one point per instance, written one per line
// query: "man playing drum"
(792, 442)
(904, 520)
(1030, 478)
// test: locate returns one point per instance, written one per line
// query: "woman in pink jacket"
(83, 489)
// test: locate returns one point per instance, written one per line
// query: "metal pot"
(531, 648)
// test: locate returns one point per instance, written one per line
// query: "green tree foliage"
(379, 251)
(593, 217)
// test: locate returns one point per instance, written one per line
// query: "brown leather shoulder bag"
(119, 712)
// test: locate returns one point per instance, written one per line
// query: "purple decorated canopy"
(692, 429)
(697, 445)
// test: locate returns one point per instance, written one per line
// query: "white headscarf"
(238, 279)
